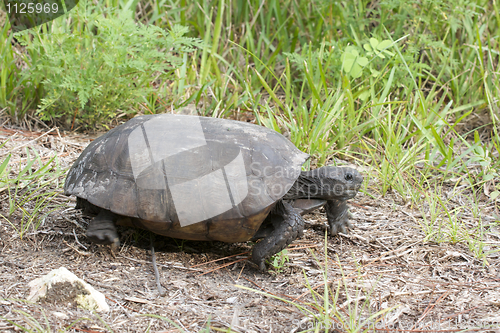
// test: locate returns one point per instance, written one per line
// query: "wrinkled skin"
(289, 228)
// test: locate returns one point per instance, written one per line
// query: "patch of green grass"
(31, 192)
(443, 221)
(279, 260)
(8, 70)
(101, 64)
(17, 93)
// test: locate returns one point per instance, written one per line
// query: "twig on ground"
(222, 266)
(82, 253)
(211, 261)
(161, 291)
(77, 241)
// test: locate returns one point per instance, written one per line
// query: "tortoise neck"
(305, 187)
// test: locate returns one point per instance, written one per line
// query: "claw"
(262, 266)
(115, 245)
(338, 217)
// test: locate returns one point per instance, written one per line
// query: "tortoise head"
(328, 183)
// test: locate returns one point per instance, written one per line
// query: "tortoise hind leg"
(286, 230)
(102, 230)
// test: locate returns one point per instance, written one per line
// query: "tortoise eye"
(348, 177)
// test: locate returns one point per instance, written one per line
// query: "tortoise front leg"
(337, 214)
(102, 230)
(286, 230)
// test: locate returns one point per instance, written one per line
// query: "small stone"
(232, 299)
(61, 286)
(60, 315)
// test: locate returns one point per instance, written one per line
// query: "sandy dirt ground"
(382, 265)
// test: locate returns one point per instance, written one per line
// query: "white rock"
(60, 283)
(232, 299)
(60, 315)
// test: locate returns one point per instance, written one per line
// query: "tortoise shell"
(187, 177)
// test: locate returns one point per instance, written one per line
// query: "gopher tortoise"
(202, 178)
